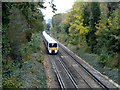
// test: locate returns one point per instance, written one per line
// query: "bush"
(40, 58)
(10, 83)
(115, 61)
(31, 47)
(104, 59)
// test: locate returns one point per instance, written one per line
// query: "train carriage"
(50, 43)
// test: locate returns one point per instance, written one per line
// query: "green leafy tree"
(65, 24)
(94, 18)
(56, 22)
(5, 20)
(76, 29)
(108, 35)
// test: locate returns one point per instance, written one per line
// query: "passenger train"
(50, 43)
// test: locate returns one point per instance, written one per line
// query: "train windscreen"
(52, 44)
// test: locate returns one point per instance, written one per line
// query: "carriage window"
(53, 45)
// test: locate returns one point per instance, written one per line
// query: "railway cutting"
(73, 72)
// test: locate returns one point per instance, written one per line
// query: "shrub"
(104, 59)
(10, 83)
(115, 61)
(40, 58)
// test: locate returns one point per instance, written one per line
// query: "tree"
(108, 36)
(56, 22)
(94, 18)
(32, 22)
(65, 24)
(77, 30)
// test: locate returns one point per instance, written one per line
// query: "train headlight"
(50, 51)
(55, 51)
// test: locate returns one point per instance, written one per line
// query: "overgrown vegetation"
(93, 28)
(22, 24)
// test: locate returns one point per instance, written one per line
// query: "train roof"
(48, 38)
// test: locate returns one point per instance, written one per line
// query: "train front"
(53, 48)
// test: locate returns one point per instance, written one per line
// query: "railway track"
(71, 73)
(65, 78)
(85, 70)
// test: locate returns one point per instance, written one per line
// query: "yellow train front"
(50, 43)
(53, 48)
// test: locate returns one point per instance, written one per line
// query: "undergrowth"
(11, 69)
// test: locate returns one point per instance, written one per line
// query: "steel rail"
(95, 78)
(59, 78)
(82, 77)
(68, 72)
(60, 81)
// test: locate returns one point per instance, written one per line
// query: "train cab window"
(52, 44)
